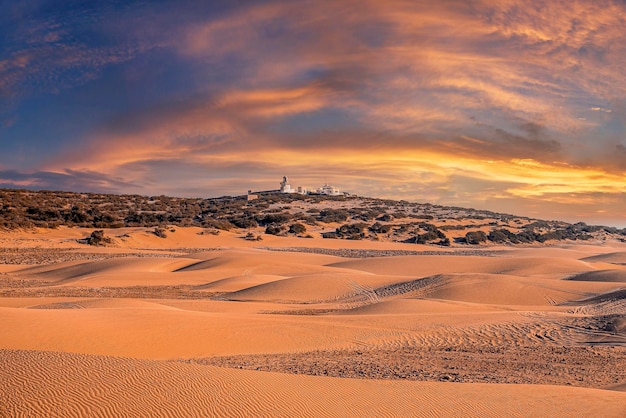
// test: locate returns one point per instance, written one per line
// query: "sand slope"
(112, 386)
(93, 335)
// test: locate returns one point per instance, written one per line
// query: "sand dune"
(612, 276)
(618, 257)
(317, 288)
(113, 272)
(234, 284)
(151, 388)
(81, 335)
(415, 306)
(421, 266)
(506, 289)
(310, 288)
(164, 333)
(92, 303)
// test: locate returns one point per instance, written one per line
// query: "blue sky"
(515, 106)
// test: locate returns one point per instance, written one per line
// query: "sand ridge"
(434, 317)
(172, 389)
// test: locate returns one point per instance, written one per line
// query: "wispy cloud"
(477, 101)
(65, 180)
(426, 67)
(49, 50)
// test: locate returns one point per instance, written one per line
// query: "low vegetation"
(98, 238)
(338, 217)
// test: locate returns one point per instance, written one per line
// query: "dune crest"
(325, 328)
(150, 388)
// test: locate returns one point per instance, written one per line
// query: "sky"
(515, 106)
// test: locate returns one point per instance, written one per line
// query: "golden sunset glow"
(505, 105)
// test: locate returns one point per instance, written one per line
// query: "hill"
(332, 217)
(401, 308)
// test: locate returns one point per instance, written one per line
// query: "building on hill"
(329, 190)
(285, 186)
(252, 196)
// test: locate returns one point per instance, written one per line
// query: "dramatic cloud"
(43, 52)
(499, 105)
(86, 181)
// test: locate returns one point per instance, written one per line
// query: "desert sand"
(215, 325)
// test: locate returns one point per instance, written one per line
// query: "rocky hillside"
(332, 217)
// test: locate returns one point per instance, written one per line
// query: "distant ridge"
(334, 217)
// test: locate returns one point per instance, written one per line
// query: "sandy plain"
(215, 325)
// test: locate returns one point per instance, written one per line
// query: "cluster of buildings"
(326, 189)
(285, 187)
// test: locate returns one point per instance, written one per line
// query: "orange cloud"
(491, 93)
(518, 58)
(278, 102)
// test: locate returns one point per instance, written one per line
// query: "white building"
(329, 190)
(285, 186)
(326, 189)
(251, 196)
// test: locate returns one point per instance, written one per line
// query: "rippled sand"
(164, 327)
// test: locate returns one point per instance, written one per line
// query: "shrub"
(380, 228)
(221, 224)
(297, 228)
(159, 232)
(244, 222)
(526, 237)
(351, 231)
(475, 237)
(444, 242)
(385, 218)
(98, 238)
(332, 215)
(502, 235)
(252, 237)
(274, 229)
(274, 218)
(429, 236)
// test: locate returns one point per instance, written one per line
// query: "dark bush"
(309, 220)
(243, 222)
(351, 231)
(363, 214)
(475, 237)
(274, 229)
(526, 237)
(385, 218)
(429, 237)
(222, 224)
(297, 229)
(563, 234)
(380, 228)
(160, 232)
(98, 238)
(332, 215)
(537, 225)
(274, 218)
(252, 237)
(502, 235)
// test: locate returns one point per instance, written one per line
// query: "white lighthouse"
(285, 186)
